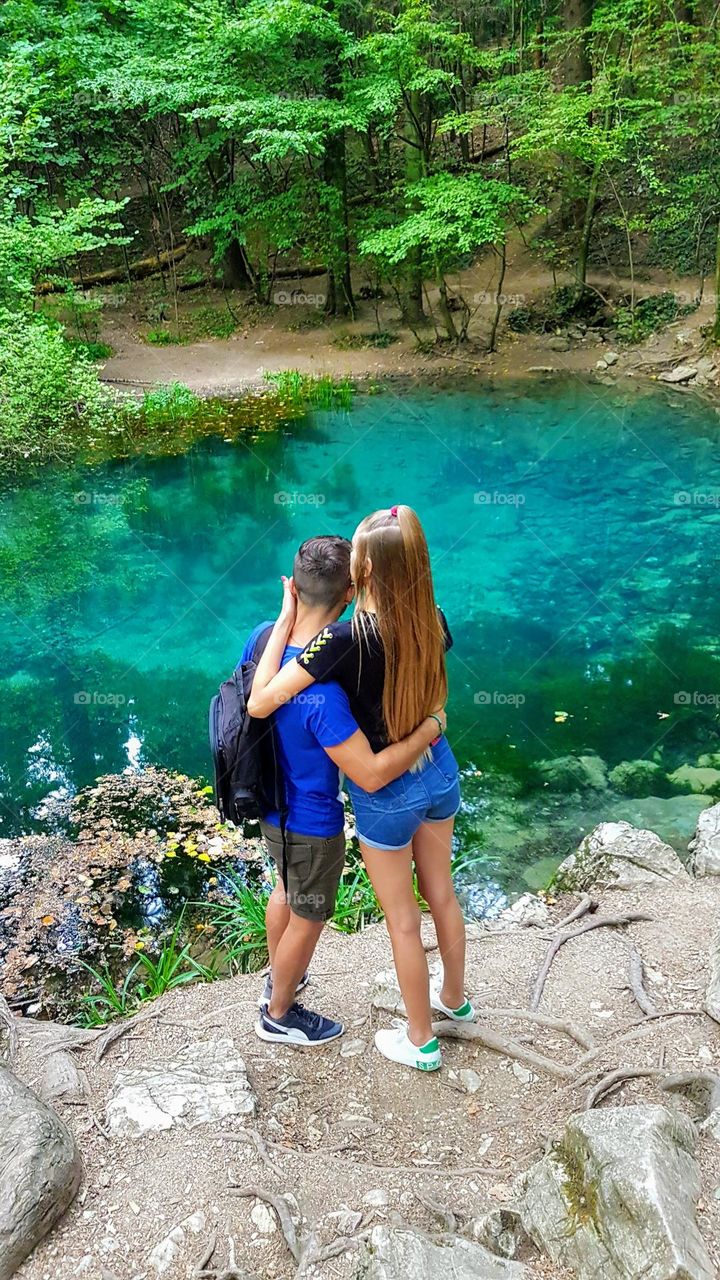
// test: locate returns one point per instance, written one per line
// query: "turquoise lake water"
(574, 533)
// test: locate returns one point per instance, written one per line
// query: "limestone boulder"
(620, 856)
(394, 1253)
(203, 1083)
(616, 1198)
(704, 847)
(40, 1171)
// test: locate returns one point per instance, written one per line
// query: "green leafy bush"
(49, 392)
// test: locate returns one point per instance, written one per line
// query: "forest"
(382, 146)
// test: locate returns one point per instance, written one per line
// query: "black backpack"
(248, 781)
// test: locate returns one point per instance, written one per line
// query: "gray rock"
(352, 1048)
(501, 1231)
(40, 1171)
(618, 855)
(705, 844)
(681, 373)
(559, 343)
(573, 773)
(611, 357)
(399, 1254)
(527, 910)
(616, 1199)
(205, 1082)
(470, 1080)
(386, 992)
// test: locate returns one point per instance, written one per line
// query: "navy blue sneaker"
(266, 996)
(299, 1026)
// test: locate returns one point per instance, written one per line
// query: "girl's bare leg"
(391, 874)
(432, 851)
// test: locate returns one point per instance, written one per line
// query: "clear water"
(574, 533)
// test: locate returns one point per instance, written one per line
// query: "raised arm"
(272, 686)
(371, 771)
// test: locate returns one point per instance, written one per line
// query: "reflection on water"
(574, 533)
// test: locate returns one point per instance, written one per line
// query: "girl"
(390, 659)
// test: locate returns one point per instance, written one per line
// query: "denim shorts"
(389, 818)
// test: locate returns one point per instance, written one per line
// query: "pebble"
(352, 1048)
(522, 1073)
(262, 1217)
(376, 1199)
(470, 1080)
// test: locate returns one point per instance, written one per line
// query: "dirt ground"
(223, 367)
(357, 1133)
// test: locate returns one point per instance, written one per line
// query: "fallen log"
(116, 275)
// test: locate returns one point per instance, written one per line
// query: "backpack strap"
(280, 795)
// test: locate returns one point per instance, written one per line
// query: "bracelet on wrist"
(439, 723)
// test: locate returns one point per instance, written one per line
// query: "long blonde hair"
(390, 560)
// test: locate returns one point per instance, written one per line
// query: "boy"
(317, 736)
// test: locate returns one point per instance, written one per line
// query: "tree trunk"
(716, 324)
(575, 64)
(443, 307)
(234, 268)
(415, 169)
(584, 250)
(498, 298)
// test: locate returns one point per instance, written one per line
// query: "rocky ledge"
(573, 1131)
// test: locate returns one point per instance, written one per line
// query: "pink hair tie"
(393, 511)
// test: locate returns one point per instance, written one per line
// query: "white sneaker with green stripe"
(395, 1044)
(464, 1012)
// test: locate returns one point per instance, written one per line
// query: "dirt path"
(357, 1136)
(281, 342)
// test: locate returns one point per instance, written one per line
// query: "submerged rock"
(205, 1082)
(616, 1199)
(705, 844)
(639, 778)
(691, 777)
(40, 1171)
(394, 1253)
(674, 820)
(618, 855)
(573, 773)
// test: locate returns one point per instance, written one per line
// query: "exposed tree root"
(585, 905)
(498, 1044)
(615, 1078)
(703, 1083)
(9, 1022)
(280, 1205)
(635, 980)
(633, 917)
(576, 1032)
(119, 1029)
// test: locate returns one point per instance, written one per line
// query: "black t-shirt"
(356, 660)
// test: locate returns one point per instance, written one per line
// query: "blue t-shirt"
(318, 717)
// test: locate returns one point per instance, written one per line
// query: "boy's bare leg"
(293, 954)
(277, 918)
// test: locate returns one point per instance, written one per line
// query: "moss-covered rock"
(697, 779)
(573, 773)
(639, 778)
